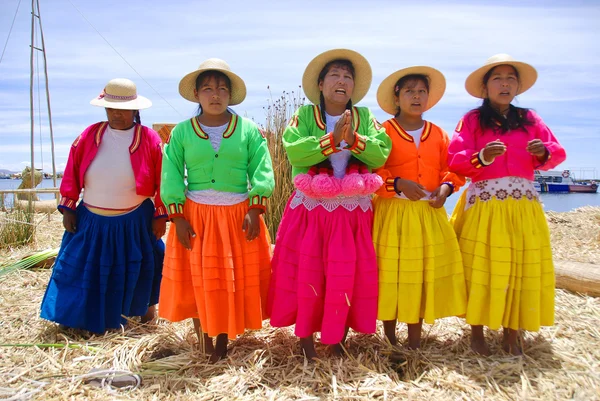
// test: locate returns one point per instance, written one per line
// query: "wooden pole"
(47, 97)
(31, 92)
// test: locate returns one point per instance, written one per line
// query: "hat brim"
(188, 84)
(527, 77)
(139, 103)
(362, 74)
(387, 98)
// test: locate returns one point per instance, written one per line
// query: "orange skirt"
(224, 279)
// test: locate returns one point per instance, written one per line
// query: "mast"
(35, 13)
(31, 93)
(47, 96)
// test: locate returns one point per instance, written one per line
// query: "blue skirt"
(111, 266)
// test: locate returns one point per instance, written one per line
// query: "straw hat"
(188, 83)
(362, 74)
(121, 93)
(386, 94)
(527, 74)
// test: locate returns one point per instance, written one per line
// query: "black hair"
(401, 83)
(347, 64)
(207, 75)
(491, 118)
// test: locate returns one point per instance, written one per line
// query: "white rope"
(108, 375)
(10, 31)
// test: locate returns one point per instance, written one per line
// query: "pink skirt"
(324, 272)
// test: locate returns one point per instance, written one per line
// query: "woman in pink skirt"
(324, 269)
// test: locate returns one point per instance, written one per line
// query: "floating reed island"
(39, 361)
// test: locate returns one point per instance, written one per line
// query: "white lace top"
(349, 203)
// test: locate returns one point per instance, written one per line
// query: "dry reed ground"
(561, 362)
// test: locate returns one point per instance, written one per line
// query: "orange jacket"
(427, 165)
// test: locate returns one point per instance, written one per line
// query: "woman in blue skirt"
(110, 261)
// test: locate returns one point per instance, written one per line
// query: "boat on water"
(562, 181)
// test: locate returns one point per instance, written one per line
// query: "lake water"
(552, 202)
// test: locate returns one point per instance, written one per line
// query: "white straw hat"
(121, 93)
(188, 83)
(362, 74)
(386, 92)
(527, 75)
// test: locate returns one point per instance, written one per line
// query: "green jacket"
(307, 143)
(242, 163)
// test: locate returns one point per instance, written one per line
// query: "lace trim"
(218, 198)
(501, 189)
(349, 203)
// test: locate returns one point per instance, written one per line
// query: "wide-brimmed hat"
(386, 91)
(188, 83)
(527, 74)
(121, 93)
(362, 74)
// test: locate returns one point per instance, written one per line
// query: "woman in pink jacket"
(500, 223)
(110, 260)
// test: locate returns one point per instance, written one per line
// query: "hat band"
(115, 97)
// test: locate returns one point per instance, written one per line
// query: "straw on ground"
(562, 362)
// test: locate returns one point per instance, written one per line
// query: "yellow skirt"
(420, 266)
(509, 271)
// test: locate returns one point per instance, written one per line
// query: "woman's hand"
(438, 197)
(159, 227)
(185, 232)
(341, 127)
(251, 225)
(537, 148)
(412, 190)
(69, 220)
(493, 150)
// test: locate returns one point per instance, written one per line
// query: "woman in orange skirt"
(217, 262)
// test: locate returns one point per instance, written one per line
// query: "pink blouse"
(469, 140)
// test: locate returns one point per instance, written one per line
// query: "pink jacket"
(469, 140)
(146, 161)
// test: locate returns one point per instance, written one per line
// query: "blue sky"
(270, 43)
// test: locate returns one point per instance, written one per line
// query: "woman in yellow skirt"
(500, 223)
(420, 266)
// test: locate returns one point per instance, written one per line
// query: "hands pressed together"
(343, 130)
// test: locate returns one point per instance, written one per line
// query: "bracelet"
(396, 186)
(451, 187)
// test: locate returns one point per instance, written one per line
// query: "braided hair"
(346, 64)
